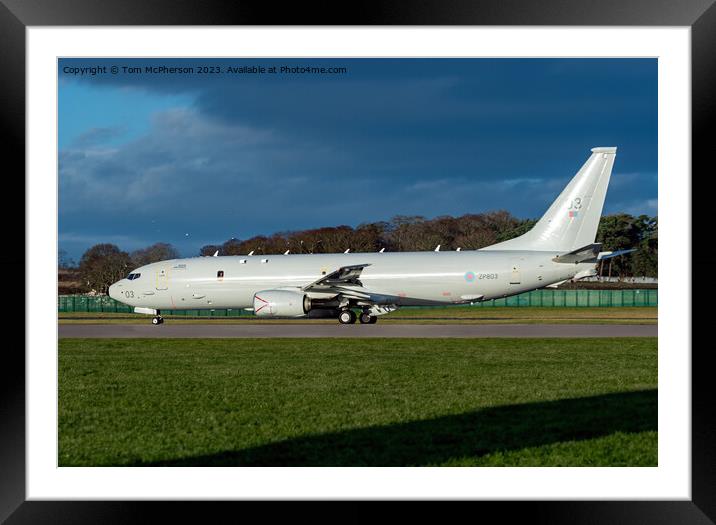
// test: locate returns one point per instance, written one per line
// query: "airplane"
(560, 247)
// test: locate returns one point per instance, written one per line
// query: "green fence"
(545, 297)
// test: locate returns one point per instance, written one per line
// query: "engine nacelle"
(281, 303)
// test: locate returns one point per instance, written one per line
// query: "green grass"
(346, 402)
(441, 315)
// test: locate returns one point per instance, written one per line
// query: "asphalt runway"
(209, 331)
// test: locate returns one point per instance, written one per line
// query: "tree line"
(103, 264)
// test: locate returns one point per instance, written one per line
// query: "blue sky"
(195, 159)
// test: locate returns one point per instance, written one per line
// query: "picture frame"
(700, 16)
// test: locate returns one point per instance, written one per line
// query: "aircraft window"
(137, 275)
(130, 277)
(220, 273)
(242, 261)
(264, 260)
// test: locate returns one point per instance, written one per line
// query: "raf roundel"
(470, 276)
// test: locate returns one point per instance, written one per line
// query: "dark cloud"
(428, 137)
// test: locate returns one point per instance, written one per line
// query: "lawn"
(350, 402)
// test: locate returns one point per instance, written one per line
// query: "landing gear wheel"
(366, 318)
(347, 317)
(157, 319)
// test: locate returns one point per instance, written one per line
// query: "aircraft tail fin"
(572, 220)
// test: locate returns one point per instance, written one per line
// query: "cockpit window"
(130, 277)
(133, 276)
(137, 275)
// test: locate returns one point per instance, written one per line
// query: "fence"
(545, 297)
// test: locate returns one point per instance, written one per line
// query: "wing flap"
(345, 275)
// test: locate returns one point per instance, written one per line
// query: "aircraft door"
(515, 275)
(162, 279)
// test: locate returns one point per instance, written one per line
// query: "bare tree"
(231, 247)
(404, 233)
(368, 237)
(64, 261)
(209, 249)
(160, 251)
(103, 264)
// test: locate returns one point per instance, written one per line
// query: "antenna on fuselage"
(347, 250)
(286, 252)
(251, 252)
(458, 249)
(216, 253)
(381, 250)
(437, 248)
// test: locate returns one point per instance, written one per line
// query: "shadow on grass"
(435, 441)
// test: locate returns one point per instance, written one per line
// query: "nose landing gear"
(157, 319)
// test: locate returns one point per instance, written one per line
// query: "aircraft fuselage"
(401, 279)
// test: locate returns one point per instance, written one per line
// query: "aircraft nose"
(113, 292)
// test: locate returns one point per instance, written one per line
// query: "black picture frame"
(699, 15)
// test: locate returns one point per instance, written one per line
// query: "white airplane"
(560, 247)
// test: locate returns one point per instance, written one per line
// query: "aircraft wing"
(345, 276)
(345, 282)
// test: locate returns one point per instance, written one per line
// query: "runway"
(217, 331)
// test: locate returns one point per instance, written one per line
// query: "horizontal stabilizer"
(585, 254)
(609, 255)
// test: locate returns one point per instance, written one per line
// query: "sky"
(196, 158)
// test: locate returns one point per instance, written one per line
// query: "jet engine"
(281, 303)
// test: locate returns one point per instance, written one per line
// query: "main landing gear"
(349, 317)
(366, 318)
(157, 319)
